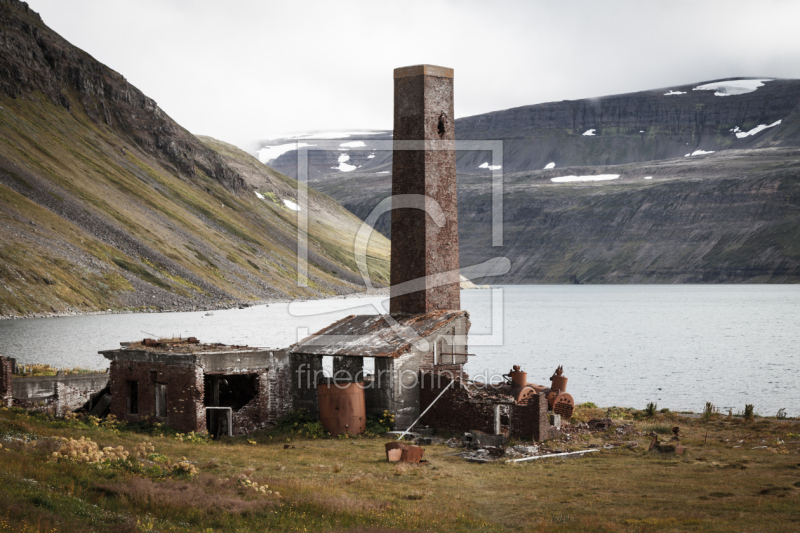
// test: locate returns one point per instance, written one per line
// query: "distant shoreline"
(189, 309)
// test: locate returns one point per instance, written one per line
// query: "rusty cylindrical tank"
(560, 400)
(519, 378)
(558, 383)
(342, 408)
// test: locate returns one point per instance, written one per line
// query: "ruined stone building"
(434, 341)
(224, 390)
(422, 341)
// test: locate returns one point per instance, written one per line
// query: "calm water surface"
(677, 345)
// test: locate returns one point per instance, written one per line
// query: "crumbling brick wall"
(459, 411)
(280, 391)
(530, 422)
(66, 398)
(456, 410)
(456, 331)
(273, 397)
(6, 390)
(185, 388)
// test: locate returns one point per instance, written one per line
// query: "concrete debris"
(477, 439)
(599, 424)
(526, 450)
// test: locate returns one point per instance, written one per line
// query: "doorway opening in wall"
(133, 397)
(218, 421)
(161, 400)
(229, 390)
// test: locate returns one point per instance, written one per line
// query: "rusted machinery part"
(558, 383)
(193, 340)
(522, 395)
(564, 405)
(404, 453)
(519, 378)
(550, 396)
(538, 388)
(150, 342)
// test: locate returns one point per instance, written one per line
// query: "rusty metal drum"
(342, 408)
(519, 378)
(558, 383)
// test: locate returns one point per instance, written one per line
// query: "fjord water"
(626, 345)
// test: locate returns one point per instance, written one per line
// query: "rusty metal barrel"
(519, 378)
(558, 383)
(342, 408)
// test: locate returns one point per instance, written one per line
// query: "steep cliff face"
(106, 202)
(35, 59)
(638, 127)
(722, 203)
(732, 216)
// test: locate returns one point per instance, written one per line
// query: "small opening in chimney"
(442, 119)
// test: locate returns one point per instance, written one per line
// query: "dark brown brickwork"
(185, 388)
(423, 111)
(6, 390)
(454, 411)
(458, 411)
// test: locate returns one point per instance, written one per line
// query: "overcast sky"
(242, 70)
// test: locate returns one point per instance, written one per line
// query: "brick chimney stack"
(421, 249)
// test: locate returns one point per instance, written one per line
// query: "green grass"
(719, 484)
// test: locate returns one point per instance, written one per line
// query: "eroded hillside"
(106, 202)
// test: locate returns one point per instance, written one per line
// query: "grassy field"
(735, 475)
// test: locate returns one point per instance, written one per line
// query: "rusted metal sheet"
(373, 335)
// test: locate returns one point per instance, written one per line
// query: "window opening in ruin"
(133, 397)
(153, 376)
(442, 119)
(229, 390)
(161, 399)
(445, 352)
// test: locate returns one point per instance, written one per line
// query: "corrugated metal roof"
(374, 335)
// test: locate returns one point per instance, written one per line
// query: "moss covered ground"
(736, 475)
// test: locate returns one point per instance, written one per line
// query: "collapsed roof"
(375, 335)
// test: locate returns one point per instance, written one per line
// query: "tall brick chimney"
(421, 249)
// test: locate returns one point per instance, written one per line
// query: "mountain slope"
(643, 126)
(722, 203)
(106, 202)
(732, 216)
(628, 128)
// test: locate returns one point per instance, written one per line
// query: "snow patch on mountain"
(599, 177)
(757, 129)
(343, 165)
(353, 144)
(732, 87)
(271, 153)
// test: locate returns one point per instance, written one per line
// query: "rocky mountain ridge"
(106, 202)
